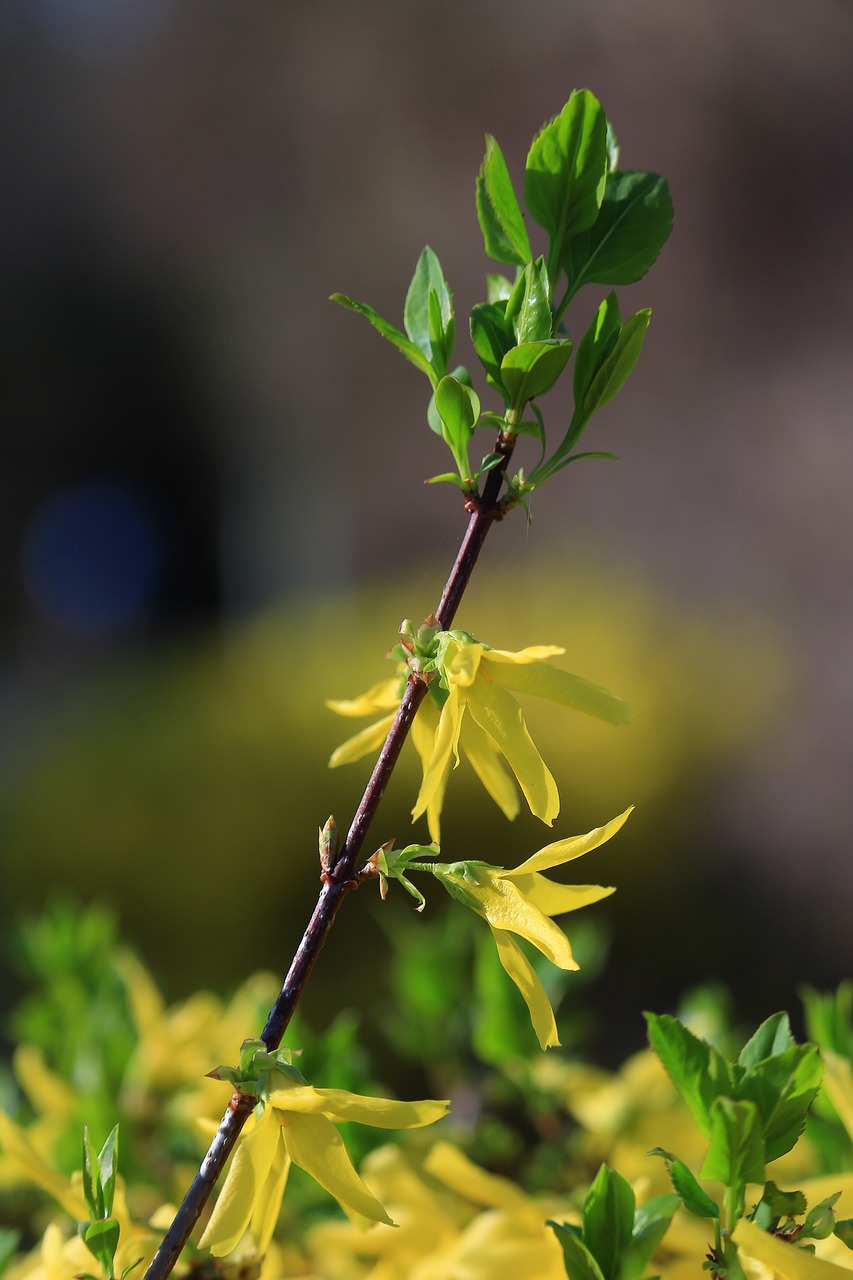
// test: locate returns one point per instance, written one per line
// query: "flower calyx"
(250, 1078)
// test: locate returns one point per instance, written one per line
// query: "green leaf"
(783, 1088)
(596, 345)
(736, 1154)
(9, 1241)
(403, 344)
(694, 1197)
(532, 368)
(91, 1178)
(844, 1231)
(783, 1204)
(462, 375)
(651, 1222)
(698, 1071)
(498, 288)
(629, 233)
(101, 1239)
(771, 1038)
(528, 309)
(458, 407)
(820, 1221)
(580, 1264)
(615, 369)
(491, 339)
(608, 1219)
(565, 173)
(432, 335)
(501, 220)
(108, 1164)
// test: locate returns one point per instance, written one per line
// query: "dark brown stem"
(336, 885)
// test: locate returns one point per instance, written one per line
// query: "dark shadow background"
(193, 436)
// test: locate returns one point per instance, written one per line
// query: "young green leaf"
(108, 1165)
(651, 1222)
(783, 1088)
(403, 344)
(844, 1231)
(565, 173)
(608, 1219)
(501, 220)
(736, 1154)
(579, 1262)
(458, 407)
(532, 368)
(782, 1204)
(820, 1221)
(528, 309)
(434, 334)
(698, 1071)
(491, 340)
(498, 288)
(694, 1198)
(101, 1239)
(596, 345)
(629, 233)
(771, 1038)
(462, 375)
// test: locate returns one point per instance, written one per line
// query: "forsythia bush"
(706, 1144)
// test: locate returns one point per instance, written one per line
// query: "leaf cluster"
(751, 1110)
(101, 1233)
(603, 226)
(616, 1238)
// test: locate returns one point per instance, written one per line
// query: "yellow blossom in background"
(455, 1220)
(479, 717)
(766, 1257)
(292, 1124)
(523, 902)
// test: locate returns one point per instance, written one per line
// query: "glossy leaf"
(631, 229)
(458, 407)
(651, 1222)
(101, 1239)
(736, 1154)
(491, 339)
(693, 1196)
(608, 1219)
(433, 336)
(596, 345)
(614, 370)
(528, 309)
(565, 173)
(532, 368)
(498, 288)
(403, 344)
(501, 220)
(698, 1071)
(461, 374)
(770, 1039)
(783, 1088)
(579, 1261)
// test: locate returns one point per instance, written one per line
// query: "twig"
(337, 884)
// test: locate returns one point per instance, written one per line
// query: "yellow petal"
(484, 757)
(16, 1144)
(495, 711)
(764, 1257)
(462, 663)
(501, 904)
(838, 1083)
(363, 743)
(521, 971)
(315, 1145)
(423, 730)
(445, 747)
(268, 1203)
(554, 899)
(544, 681)
(340, 1104)
(533, 653)
(244, 1182)
(381, 696)
(554, 855)
(468, 1180)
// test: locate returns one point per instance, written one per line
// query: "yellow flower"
(292, 1124)
(765, 1257)
(522, 902)
(474, 679)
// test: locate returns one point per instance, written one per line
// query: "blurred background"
(212, 513)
